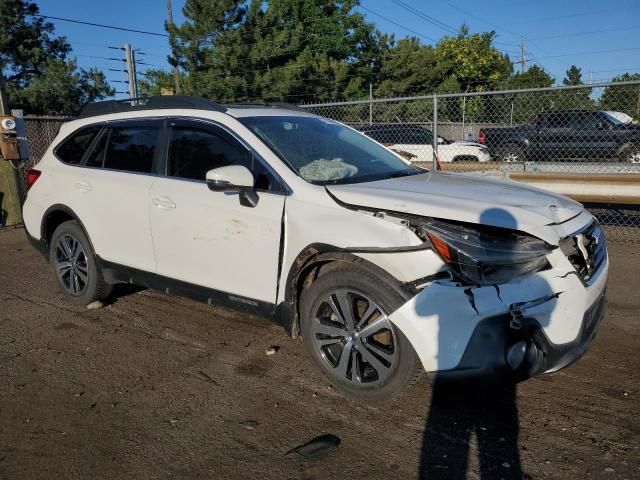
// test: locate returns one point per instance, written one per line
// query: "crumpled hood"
(463, 197)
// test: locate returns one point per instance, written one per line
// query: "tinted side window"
(131, 148)
(558, 120)
(378, 135)
(73, 148)
(418, 136)
(194, 151)
(96, 156)
(587, 120)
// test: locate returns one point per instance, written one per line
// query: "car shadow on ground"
(122, 290)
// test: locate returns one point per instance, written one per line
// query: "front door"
(208, 238)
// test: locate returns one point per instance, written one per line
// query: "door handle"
(83, 186)
(163, 203)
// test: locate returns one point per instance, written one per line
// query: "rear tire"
(511, 154)
(381, 362)
(74, 265)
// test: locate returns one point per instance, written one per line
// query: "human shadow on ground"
(483, 408)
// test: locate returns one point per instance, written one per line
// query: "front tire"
(344, 320)
(74, 265)
(631, 154)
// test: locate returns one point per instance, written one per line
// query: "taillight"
(31, 176)
(481, 138)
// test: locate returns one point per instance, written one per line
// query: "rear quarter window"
(73, 148)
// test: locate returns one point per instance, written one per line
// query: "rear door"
(111, 192)
(208, 238)
(555, 135)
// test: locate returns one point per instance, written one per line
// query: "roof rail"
(282, 105)
(149, 103)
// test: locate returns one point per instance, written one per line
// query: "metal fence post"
(370, 104)
(10, 184)
(434, 131)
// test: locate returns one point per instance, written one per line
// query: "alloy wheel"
(354, 337)
(510, 157)
(71, 265)
(634, 157)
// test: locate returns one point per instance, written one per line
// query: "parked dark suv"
(569, 134)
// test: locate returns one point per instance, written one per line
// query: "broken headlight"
(483, 255)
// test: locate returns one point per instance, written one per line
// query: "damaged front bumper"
(539, 324)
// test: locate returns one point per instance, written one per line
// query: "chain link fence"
(39, 132)
(582, 131)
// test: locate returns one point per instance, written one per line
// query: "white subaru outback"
(382, 267)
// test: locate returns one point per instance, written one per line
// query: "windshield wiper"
(404, 174)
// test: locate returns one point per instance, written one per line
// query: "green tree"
(573, 76)
(534, 77)
(472, 60)
(157, 82)
(39, 77)
(623, 98)
(522, 107)
(575, 98)
(278, 50)
(408, 68)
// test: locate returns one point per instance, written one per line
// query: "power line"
(498, 27)
(592, 32)
(622, 69)
(111, 27)
(99, 57)
(593, 52)
(397, 24)
(475, 16)
(73, 42)
(427, 18)
(560, 17)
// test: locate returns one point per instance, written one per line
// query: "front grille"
(586, 250)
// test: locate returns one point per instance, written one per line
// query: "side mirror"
(233, 179)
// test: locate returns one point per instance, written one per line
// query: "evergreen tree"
(39, 76)
(623, 98)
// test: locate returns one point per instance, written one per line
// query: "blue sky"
(601, 37)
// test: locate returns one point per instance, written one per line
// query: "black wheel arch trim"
(628, 145)
(316, 255)
(523, 144)
(43, 227)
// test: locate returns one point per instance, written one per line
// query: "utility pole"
(523, 56)
(10, 185)
(176, 73)
(4, 107)
(131, 70)
(590, 77)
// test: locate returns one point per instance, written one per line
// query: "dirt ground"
(154, 386)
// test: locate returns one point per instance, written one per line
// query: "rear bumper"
(38, 244)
